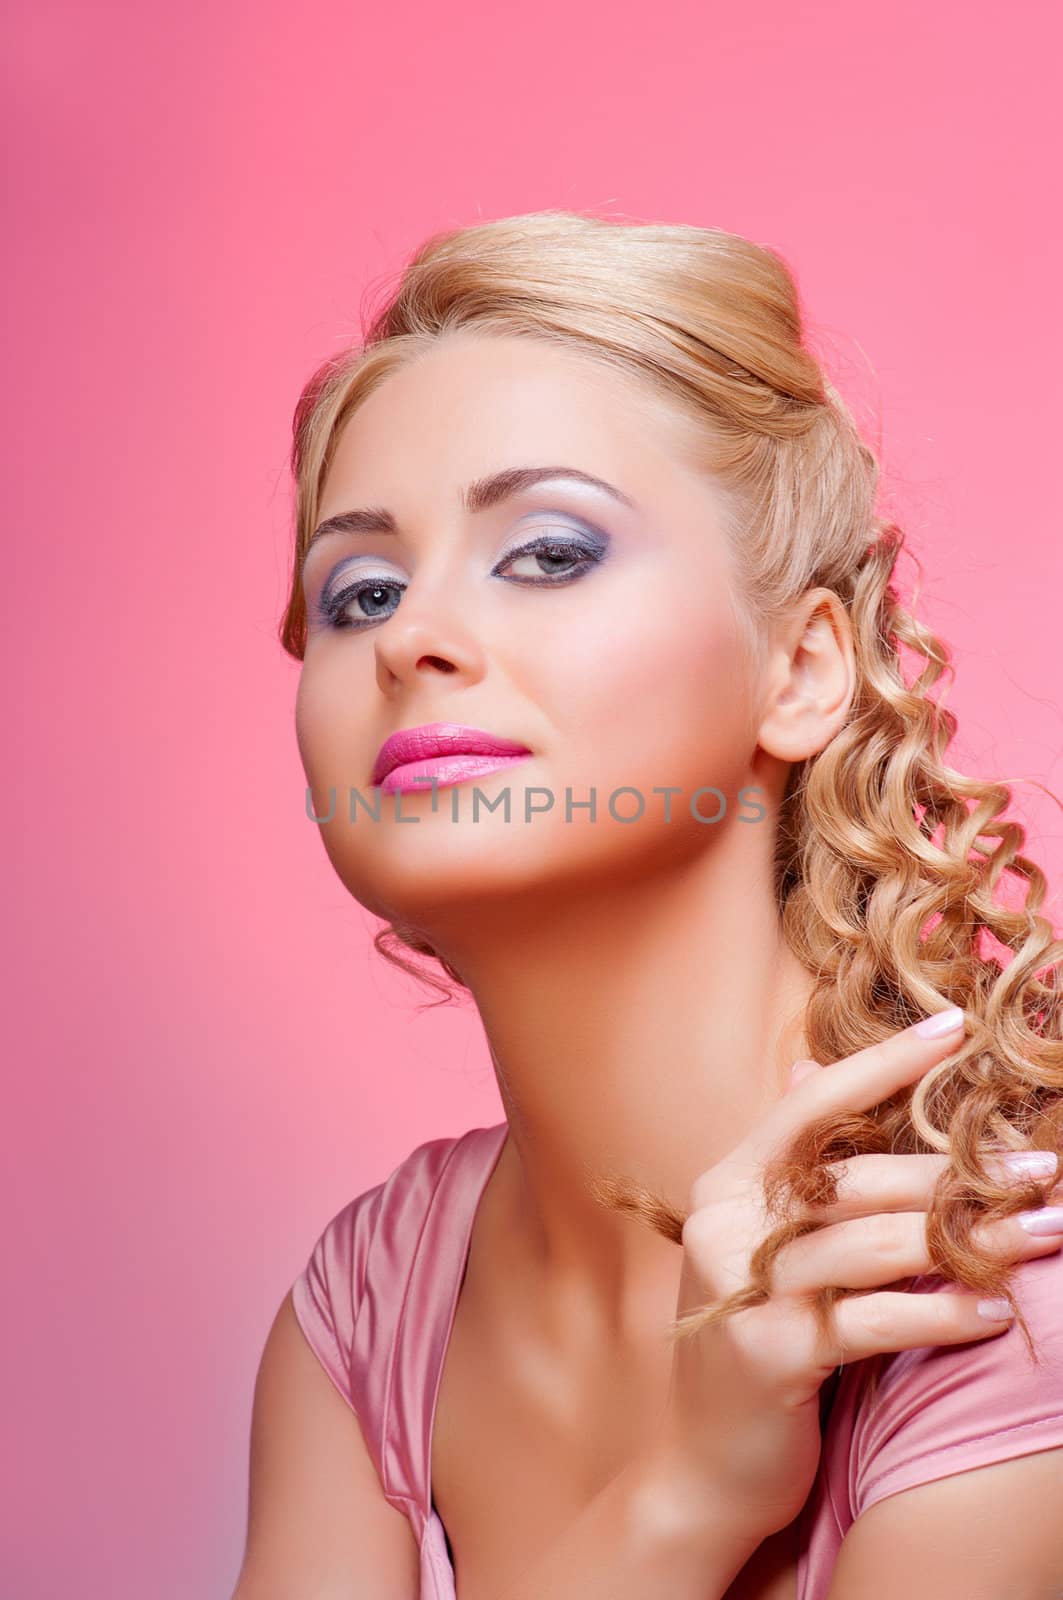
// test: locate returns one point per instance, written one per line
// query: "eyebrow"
(480, 495)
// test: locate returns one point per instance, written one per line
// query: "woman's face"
(614, 656)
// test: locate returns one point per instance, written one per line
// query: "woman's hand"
(742, 1427)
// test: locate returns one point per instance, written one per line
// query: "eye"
(551, 560)
(548, 560)
(366, 598)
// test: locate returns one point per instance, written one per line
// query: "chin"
(427, 873)
(406, 878)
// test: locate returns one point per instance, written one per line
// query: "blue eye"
(365, 600)
(574, 555)
(369, 593)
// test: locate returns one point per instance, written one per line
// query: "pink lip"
(444, 770)
(441, 749)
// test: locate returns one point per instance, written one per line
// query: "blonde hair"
(886, 859)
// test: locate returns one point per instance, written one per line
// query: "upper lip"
(439, 739)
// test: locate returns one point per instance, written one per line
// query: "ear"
(810, 677)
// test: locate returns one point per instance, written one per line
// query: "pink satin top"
(377, 1297)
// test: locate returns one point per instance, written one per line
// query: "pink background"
(200, 196)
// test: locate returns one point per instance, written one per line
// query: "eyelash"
(331, 608)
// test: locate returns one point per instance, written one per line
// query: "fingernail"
(941, 1022)
(1033, 1163)
(995, 1310)
(1048, 1220)
(802, 1069)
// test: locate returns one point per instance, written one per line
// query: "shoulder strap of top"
(414, 1265)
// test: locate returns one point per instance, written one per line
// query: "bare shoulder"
(974, 1535)
(318, 1523)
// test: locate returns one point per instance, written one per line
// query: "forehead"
(472, 404)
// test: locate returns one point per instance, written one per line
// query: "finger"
(1031, 1166)
(866, 1325)
(801, 1070)
(858, 1082)
(876, 1182)
(868, 1252)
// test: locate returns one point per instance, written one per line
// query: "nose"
(425, 638)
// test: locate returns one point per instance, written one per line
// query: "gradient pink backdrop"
(198, 199)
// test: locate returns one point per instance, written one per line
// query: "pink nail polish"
(995, 1310)
(941, 1022)
(1032, 1163)
(1046, 1221)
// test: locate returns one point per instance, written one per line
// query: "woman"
(602, 708)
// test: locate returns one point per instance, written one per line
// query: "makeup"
(444, 771)
(446, 752)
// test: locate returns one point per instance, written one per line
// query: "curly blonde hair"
(884, 873)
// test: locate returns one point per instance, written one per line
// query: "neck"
(639, 1028)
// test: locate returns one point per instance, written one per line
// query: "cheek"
(662, 700)
(333, 746)
(332, 736)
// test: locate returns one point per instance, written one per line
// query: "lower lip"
(445, 771)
